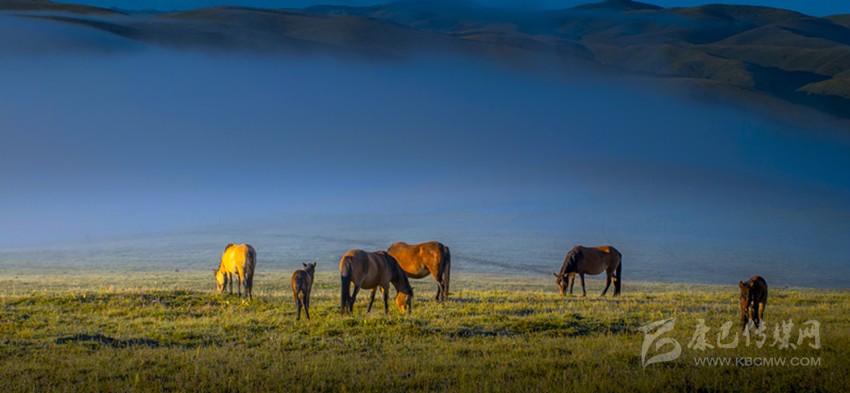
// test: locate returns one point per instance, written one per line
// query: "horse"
(420, 260)
(302, 284)
(239, 260)
(753, 300)
(370, 270)
(591, 260)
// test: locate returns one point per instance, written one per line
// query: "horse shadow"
(110, 341)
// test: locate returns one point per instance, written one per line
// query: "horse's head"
(745, 291)
(745, 299)
(561, 282)
(310, 268)
(220, 280)
(398, 277)
(404, 301)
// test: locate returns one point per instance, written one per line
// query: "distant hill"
(619, 5)
(44, 5)
(799, 59)
(843, 20)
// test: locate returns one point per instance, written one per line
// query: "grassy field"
(169, 332)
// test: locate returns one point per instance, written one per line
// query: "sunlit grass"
(167, 331)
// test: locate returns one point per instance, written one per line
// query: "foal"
(302, 283)
(753, 300)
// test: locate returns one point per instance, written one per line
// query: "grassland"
(168, 332)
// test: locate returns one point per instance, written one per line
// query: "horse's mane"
(397, 271)
(571, 261)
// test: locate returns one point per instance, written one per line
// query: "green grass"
(149, 332)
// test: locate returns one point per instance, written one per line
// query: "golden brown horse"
(420, 260)
(591, 260)
(753, 301)
(302, 284)
(371, 270)
(239, 261)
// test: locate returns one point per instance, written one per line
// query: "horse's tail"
(298, 287)
(447, 271)
(345, 283)
(301, 298)
(249, 271)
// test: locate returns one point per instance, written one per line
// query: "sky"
(816, 8)
(139, 140)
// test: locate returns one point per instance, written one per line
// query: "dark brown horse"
(591, 260)
(753, 300)
(302, 284)
(371, 270)
(420, 260)
(237, 263)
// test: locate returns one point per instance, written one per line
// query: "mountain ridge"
(800, 59)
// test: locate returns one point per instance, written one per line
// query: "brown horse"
(370, 270)
(420, 260)
(753, 300)
(591, 260)
(302, 284)
(239, 260)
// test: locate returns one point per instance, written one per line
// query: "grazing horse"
(591, 260)
(239, 260)
(753, 300)
(420, 260)
(302, 284)
(370, 270)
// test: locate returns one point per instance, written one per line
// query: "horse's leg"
(607, 283)
(371, 299)
(239, 285)
(353, 297)
(243, 286)
(230, 282)
(756, 320)
(440, 276)
(249, 285)
(386, 293)
(761, 318)
(572, 279)
(436, 274)
(298, 303)
(618, 278)
(307, 304)
(583, 290)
